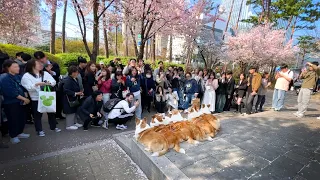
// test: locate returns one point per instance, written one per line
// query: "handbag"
(73, 104)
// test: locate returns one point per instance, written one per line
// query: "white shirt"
(29, 82)
(122, 106)
(282, 83)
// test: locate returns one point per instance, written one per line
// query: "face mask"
(148, 76)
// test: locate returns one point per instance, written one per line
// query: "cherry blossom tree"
(259, 46)
(18, 21)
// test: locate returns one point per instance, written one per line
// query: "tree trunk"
(64, 26)
(126, 41)
(141, 49)
(116, 45)
(134, 42)
(170, 48)
(105, 32)
(229, 17)
(147, 50)
(293, 28)
(239, 15)
(53, 27)
(153, 49)
(95, 47)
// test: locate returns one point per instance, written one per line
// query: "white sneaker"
(23, 136)
(78, 125)
(105, 125)
(41, 134)
(123, 126)
(57, 130)
(15, 140)
(72, 128)
(299, 115)
(318, 117)
(119, 127)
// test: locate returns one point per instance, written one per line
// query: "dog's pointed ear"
(170, 115)
(180, 111)
(137, 121)
(169, 112)
(144, 119)
(203, 105)
(154, 116)
(208, 105)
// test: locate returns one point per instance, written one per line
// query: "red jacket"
(105, 86)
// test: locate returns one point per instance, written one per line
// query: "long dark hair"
(108, 73)
(7, 64)
(30, 66)
(160, 87)
(131, 69)
(88, 70)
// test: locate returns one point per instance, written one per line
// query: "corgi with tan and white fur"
(156, 120)
(176, 116)
(153, 142)
(193, 114)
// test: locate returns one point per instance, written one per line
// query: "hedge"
(64, 59)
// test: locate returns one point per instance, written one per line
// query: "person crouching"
(90, 110)
(121, 113)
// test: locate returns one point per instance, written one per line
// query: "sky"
(72, 28)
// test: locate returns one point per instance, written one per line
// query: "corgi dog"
(154, 142)
(157, 120)
(193, 114)
(209, 130)
(195, 103)
(173, 137)
(205, 109)
(214, 121)
(176, 116)
(186, 131)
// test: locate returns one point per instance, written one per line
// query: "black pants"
(94, 121)
(59, 103)
(227, 106)
(261, 100)
(28, 108)
(120, 120)
(146, 102)
(38, 116)
(249, 102)
(160, 106)
(16, 116)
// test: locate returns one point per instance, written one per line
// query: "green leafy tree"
(308, 45)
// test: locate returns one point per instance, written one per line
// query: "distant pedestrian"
(230, 90)
(309, 78)
(265, 83)
(221, 93)
(283, 77)
(254, 83)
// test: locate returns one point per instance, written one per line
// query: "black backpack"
(109, 105)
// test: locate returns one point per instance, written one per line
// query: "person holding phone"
(90, 110)
(309, 78)
(283, 77)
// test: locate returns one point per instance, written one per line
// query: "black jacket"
(70, 87)
(56, 69)
(88, 82)
(89, 106)
(230, 86)
(222, 89)
(116, 89)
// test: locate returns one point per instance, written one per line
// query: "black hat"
(315, 63)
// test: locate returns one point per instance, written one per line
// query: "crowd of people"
(98, 94)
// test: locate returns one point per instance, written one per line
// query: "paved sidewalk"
(103, 160)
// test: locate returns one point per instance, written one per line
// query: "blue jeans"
(187, 102)
(138, 111)
(180, 95)
(278, 99)
(221, 101)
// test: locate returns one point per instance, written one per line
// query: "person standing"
(33, 81)
(71, 98)
(148, 88)
(21, 62)
(190, 90)
(132, 64)
(133, 82)
(309, 78)
(230, 90)
(254, 83)
(201, 84)
(221, 93)
(14, 100)
(209, 97)
(241, 89)
(182, 81)
(160, 100)
(90, 110)
(157, 71)
(89, 82)
(265, 83)
(117, 86)
(82, 64)
(283, 77)
(104, 84)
